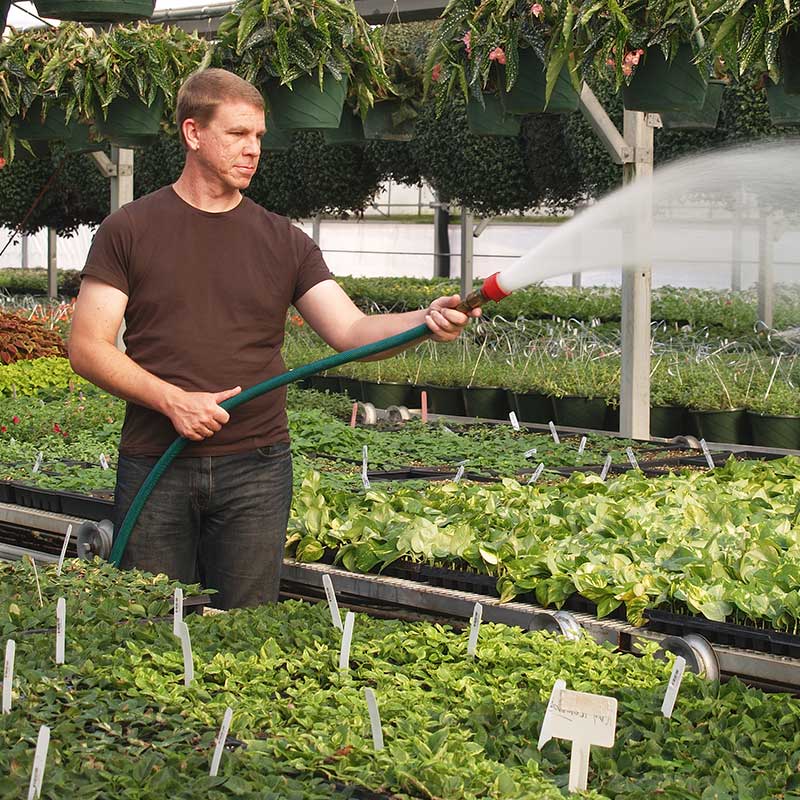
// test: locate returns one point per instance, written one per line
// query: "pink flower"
(435, 72)
(498, 55)
(468, 43)
(627, 69)
(537, 9)
(15, 419)
(610, 62)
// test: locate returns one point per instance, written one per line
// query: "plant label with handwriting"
(585, 720)
(61, 629)
(514, 421)
(554, 432)
(347, 638)
(707, 454)
(474, 629)
(333, 605)
(374, 718)
(364, 476)
(39, 761)
(582, 446)
(186, 648)
(8, 675)
(606, 468)
(220, 743)
(63, 550)
(673, 687)
(177, 611)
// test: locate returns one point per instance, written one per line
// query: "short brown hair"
(203, 91)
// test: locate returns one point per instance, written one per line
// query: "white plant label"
(606, 468)
(707, 454)
(514, 421)
(177, 611)
(585, 720)
(61, 629)
(448, 430)
(474, 629)
(364, 477)
(37, 465)
(347, 638)
(537, 473)
(8, 675)
(220, 744)
(38, 585)
(673, 687)
(374, 718)
(554, 432)
(333, 605)
(459, 474)
(103, 461)
(188, 660)
(582, 446)
(632, 457)
(39, 761)
(530, 453)
(63, 550)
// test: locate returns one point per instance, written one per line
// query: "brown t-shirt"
(207, 300)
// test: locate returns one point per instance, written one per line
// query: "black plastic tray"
(743, 637)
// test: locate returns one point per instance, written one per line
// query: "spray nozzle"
(491, 290)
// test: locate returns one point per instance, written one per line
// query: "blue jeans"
(219, 520)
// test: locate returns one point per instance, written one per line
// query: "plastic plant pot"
(304, 106)
(775, 430)
(668, 421)
(703, 120)
(534, 407)
(580, 412)
(447, 400)
(790, 60)
(486, 403)
(784, 108)
(383, 395)
(491, 119)
(54, 127)
(131, 123)
(95, 10)
(385, 122)
(731, 426)
(350, 130)
(276, 140)
(353, 388)
(658, 85)
(326, 383)
(527, 95)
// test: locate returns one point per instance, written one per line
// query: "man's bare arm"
(334, 316)
(93, 354)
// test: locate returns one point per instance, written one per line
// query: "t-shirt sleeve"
(110, 253)
(311, 268)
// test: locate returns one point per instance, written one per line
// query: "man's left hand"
(444, 321)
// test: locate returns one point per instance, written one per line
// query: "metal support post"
(316, 223)
(25, 254)
(52, 263)
(466, 252)
(576, 276)
(636, 285)
(766, 276)
(441, 240)
(736, 245)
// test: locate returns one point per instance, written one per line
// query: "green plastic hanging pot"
(4, 6)
(491, 120)
(486, 402)
(527, 95)
(350, 130)
(276, 140)
(784, 108)
(774, 430)
(790, 60)
(304, 106)
(131, 123)
(54, 127)
(386, 121)
(731, 426)
(95, 10)
(703, 120)
(658, 85)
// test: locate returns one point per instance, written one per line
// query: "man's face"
(230, 145)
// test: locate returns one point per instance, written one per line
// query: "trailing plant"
(281, 42)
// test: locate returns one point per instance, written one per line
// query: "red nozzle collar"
(491, 289)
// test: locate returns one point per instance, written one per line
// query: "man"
(203, 278)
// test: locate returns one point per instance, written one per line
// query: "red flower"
(2, 162)
(436, 72)
(498, 55)
(56, 428)
(3, 429)
(15, 419)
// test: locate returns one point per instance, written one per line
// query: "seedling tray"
(77, 505)
(743, 637)
(444, 577)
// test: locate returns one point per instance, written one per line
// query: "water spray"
(95, 540)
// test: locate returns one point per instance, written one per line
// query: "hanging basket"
(349, 131)
(527, 96)
(784, 109)
(658, 85)
(491, 120)
(304, 106)
(703, 120)
(276, 140)
(95, 10)
(385, 121)
(790, 60)
(4, 6)
(54, 127)
(130, 123)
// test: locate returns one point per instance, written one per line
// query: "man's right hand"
(198, 415)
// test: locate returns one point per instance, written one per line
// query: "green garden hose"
(489, 291)
(336, 360)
